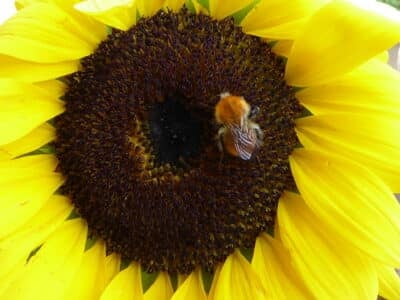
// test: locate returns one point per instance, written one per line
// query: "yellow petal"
(199, 8)
(372, 88)
(383, 57)
(33, 72)
(283, 47)
(23, 199)
(237, 280)
(43, 33)
(26, 166)
(347, 196)
(49, 272)
(284, 31)
(149, 8)
(161, 289)
(119, 14)
(182, 278)
(13, 274)
(126, 285)
(35, 139)
(339, 37)
(24, 107)
(271, 13)
(271, 262)
(279, 19)
(23, 193)
(83, 26)
(174, 5)
(90, 281)
(16, 248)
(369, 140)
(19, 4)
(192, 288)
(330, 268)
(389, 283)
(54, 88)
(220, 9)
(113, 262)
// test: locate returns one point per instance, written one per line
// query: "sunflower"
(112, 183)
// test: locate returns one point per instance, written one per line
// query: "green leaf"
(394, 3)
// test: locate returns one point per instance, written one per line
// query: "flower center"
(175, 133)
(137, 141)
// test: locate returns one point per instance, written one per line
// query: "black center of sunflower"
(137, 141)
(174, 132)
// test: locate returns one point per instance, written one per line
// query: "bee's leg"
(258, 130)
(219, 138)
(260, 137)
(254, 112)
(220, 145)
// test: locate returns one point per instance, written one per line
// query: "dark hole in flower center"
(174, 131)
(137, 141)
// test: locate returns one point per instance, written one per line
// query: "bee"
(238, 135)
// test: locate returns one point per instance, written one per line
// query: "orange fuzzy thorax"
(231, 110)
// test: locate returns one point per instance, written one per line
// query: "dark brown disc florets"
(137, 141)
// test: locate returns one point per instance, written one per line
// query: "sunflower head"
(199, 150)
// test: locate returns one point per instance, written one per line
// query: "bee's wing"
(244, 141)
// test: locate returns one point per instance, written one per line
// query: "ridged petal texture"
(339, 37)
(38, 137)
(90, 280)
(19, 4)
(49, 271)
(237, 281)
(198, 8)
(25, 186)
(161, 289)
(174, 5)
(50, 33)
(34, 72)
(279, 19)
(120, 14)
(352, 201)
(113, 263)
(149, 8)
(389, 282)
(329, 267)
(220, 9)
(17, 246)
(54, 88)
(24, 108)
(126, 285)
(283, 47)
(373, 88)
(371, 140)
(85, 27)
(272, 263)
(24, 70)
(191, 288)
